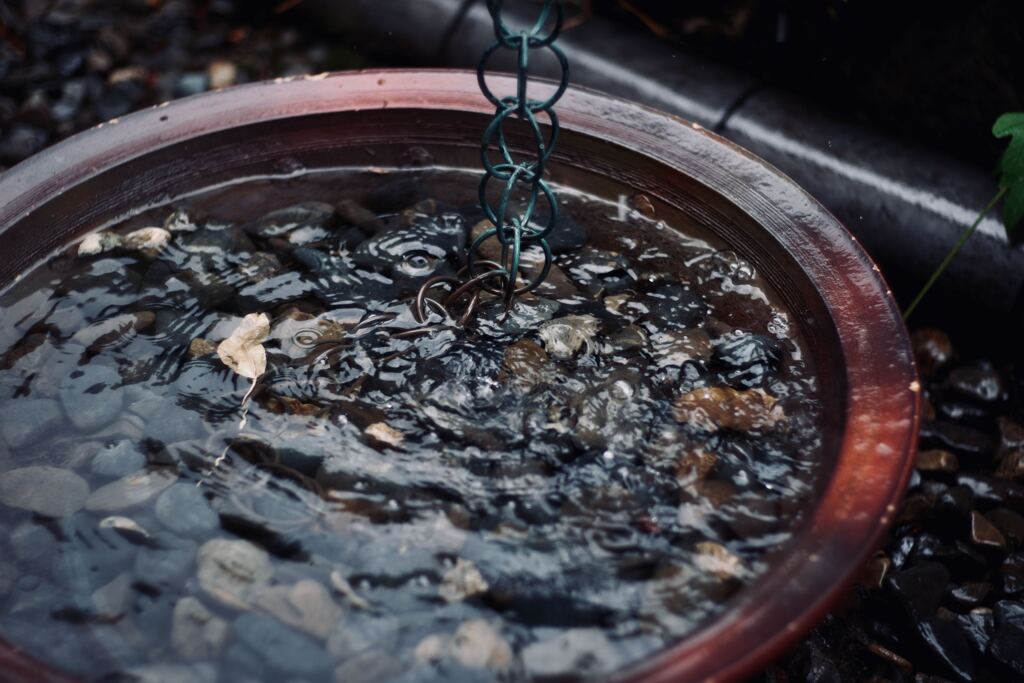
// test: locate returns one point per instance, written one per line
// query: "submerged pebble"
(46, 491)
(184, 510)
(196, 633)
(282, 648)
(565, 337)
(717, 408)
(230, 570)
(119, 459)
(252, 460)
(129, 491)
(24, 421)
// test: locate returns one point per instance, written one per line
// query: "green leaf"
(1011, 173)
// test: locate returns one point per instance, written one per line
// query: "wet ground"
(943, 601)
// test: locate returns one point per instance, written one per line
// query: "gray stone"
(173, 673)
(370, 667)
(229, 570)
(89, 397)
(184, 510)
(196, 632)
(130, 491)
(47, 491)
(281, 648)
(282, 221)
(166, 563)
(478, 645)
(579, 651)
(112, 600)
(119, 460)
(362, 632)
(7, 576)
(307, 606)
(24, 421)
(30, 541)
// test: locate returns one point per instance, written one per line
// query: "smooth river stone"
(119, 460)
(166, 562)
(7, 578)
(584, 651)
(281, 647)
(89, 398)
(477, 645)
(229, 570)
(47, 491)
(184, 510)
(197, 633)
(307, 606)
(127, 492)
(174, 673)
(23, 421)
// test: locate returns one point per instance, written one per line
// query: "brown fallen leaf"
(243, 351)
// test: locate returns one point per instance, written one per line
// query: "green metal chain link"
(523, 177)
(520, 177)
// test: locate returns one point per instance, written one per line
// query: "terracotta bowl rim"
(859, 502)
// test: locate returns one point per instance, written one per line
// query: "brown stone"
(384, 435)
(1011, 465)
(876, 571)
(937, 460)
(914, 508)
(286, 405)
(524, 365)
(927, 409)
(714, 408)
(201, 347)
(715, 558)
(933, 350)
(694, 464)
(1011, 434)
(358, 215)
(717, 492)
(984, 534)
(1009, 523)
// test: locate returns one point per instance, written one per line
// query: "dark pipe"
(908, 205)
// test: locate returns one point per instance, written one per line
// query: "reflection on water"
(559, 491)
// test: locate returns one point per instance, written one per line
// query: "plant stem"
(952, 253)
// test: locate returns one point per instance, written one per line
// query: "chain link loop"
(520, 176)
(523, 178)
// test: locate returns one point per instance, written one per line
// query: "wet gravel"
(66, 65)
(944, 599)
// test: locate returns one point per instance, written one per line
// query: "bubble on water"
(307, 337)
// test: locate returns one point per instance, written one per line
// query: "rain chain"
(522, 177)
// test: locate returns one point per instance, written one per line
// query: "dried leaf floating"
(243, 351)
